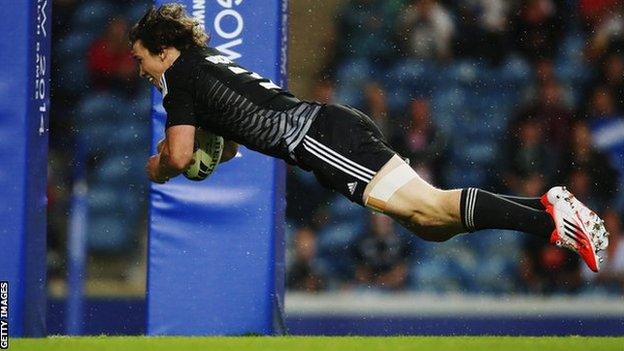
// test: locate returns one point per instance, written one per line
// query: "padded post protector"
(216, 260)
(24, 106)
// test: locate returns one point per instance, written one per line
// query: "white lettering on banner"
(229, 12)
(41, 66)
(199, 12)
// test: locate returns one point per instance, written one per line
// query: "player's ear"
(163, 53)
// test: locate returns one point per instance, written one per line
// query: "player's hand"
(151, 168)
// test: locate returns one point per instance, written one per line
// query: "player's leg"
(345, 149)
(437, 215)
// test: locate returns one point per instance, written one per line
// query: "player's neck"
(172, 55)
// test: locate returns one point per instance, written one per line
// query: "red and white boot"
(576, 227)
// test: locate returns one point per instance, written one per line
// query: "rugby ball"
(206, 155)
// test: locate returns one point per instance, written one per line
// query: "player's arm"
(230, 149)
(176, 154)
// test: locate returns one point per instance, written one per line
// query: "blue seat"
(101, 107)
(447, 106)
(104, 198)
(339, 236)
(93, 16)
(343, 210)
(136, 10)
(120, 169)
(133, 134)
(73, 46)
(515, 72)
(495, 275)
(350, 94)
(109, 233)
(354, 72)
(469, 73)
(98, 120)
(433, 275)
(417, 75)
(75, 78)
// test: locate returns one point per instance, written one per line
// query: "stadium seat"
(136, 10)
(76, 76)
(109, 233)
(92, 16)
(73, 46)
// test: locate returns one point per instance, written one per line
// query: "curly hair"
(168, 26)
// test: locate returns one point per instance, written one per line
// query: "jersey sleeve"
(178, 100)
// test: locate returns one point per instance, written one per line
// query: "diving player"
(343, 148)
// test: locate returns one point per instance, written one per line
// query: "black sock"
(483, 210)
(532, 202)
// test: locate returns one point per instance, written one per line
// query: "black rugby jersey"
(205, 89)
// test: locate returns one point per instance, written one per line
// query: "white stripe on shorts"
(328, 158)
(339, 157)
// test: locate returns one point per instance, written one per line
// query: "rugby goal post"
(216, 247)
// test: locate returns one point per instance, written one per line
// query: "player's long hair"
(168, 26)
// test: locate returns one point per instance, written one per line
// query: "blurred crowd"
(510, 96)
(100, 132)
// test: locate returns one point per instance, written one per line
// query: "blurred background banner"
(216, 247)
(24, 106)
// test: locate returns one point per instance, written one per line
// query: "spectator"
(611, 275)
(482, 30)
(607, 28)
(375, 106)
(588, 171)
(382, 256)
(305, 273)
(548, 269)
(549, 111)
(323, 91)
(426, 30)
(421, 141)
(595, 10)
(613, 78)
(365, 29)
(531, 163)
(537, 29)
(607, 127)
(110, 61)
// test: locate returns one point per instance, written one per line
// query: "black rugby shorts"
(344, 149)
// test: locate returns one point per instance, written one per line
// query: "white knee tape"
(389, 184)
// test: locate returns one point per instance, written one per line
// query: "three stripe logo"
(572, 231)
(337, 160)
(352, 187)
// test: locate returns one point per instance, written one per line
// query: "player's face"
(151, 67)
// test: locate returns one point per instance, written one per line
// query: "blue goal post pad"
(216, 247)
(24, 106)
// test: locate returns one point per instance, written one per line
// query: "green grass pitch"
(294, 343)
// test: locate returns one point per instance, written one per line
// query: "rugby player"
(341, 145)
